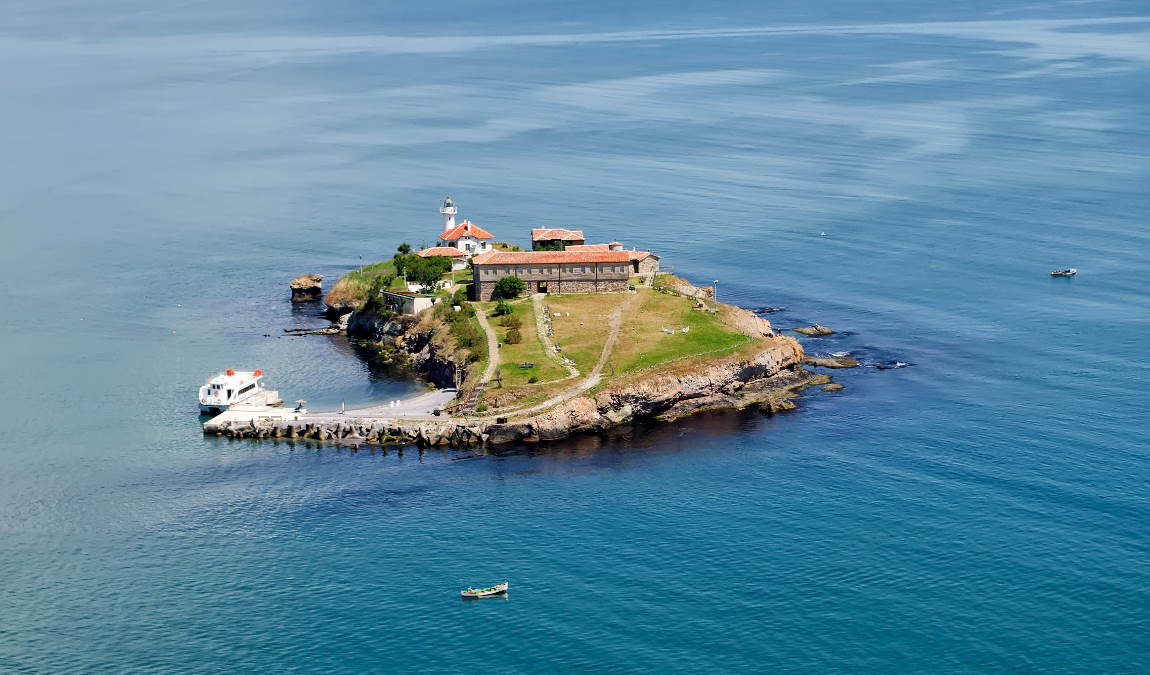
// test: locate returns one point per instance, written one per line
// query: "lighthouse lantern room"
(448, 210)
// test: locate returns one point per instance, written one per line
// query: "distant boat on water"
(1068, 272)
(475, 593)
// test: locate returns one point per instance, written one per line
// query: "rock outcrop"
(306, 287)
(814, 330)
(831, 361)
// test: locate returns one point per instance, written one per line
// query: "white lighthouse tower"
(448, 210)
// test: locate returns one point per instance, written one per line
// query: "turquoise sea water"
(170, 167)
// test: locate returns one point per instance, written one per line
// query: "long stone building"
(554, 271)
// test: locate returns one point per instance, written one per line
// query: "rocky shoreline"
(766, 380)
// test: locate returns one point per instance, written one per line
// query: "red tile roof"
(466, 229)
(552, 257)
(441, 250)
(640, 255)
(549, 234)
(587, 247)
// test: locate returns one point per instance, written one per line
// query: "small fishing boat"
(1068, 272)
(474, 593)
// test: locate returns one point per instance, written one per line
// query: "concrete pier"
(408, 420)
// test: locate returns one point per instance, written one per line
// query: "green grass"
(353, 287)
(642, 342)
(582, 334)
(459, 276)
(530, 350)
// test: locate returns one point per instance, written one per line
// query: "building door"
(541, 287)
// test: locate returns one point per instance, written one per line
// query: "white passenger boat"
(228, 388)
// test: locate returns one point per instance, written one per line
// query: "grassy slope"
(642, 342)
(582, 334)
(530, 350)
(353, 287)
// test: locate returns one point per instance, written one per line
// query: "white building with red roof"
(458, 258)
(466, 236)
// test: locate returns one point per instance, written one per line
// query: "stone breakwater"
(766, 379)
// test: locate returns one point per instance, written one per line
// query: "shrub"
(509, 287)
(513, 337)
(533, 379)
(482, 407)
(511, 321)
(503, 309)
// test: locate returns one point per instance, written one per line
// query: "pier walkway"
(419, 407)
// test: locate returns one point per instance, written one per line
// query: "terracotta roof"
(553, 257)
(441, 250)
(615, 243)
(587, 247)
(640, 255)
(465, 229)
(548, 234)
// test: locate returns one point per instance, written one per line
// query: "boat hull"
(477, 593)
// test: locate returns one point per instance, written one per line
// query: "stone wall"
(582, 286)
(485, 289)
(650, 264)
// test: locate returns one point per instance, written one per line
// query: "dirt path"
(492, 348)
(615, 321)
(541, 328)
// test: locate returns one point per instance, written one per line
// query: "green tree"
(404, 248)
(402, 262)
(503, 309)
(551, 246)
(427, 271)
(509, 287)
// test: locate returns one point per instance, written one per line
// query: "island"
(523, 344)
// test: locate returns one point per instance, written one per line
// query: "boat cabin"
(228, 388)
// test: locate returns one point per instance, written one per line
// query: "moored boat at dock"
(228, 388)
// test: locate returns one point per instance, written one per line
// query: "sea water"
(168, 168)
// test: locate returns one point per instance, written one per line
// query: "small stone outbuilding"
(548, 237)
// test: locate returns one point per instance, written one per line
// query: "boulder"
(814, 330)
(834, 386)
(306, 287)
(831, 361)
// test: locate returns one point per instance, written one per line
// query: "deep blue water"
(169, 168)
